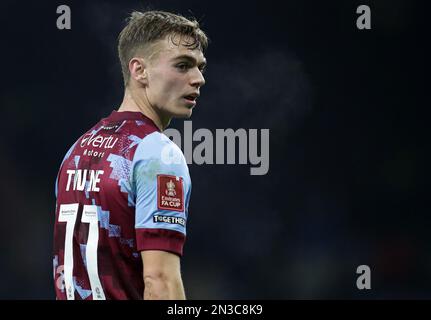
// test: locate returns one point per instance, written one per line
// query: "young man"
(123, 188)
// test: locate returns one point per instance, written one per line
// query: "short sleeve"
(162, 185)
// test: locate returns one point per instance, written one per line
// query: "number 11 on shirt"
(68, 214)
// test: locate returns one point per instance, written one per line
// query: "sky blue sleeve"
(159, 171)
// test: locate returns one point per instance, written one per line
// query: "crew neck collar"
(131, 115)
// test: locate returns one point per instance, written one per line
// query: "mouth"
(191, 98)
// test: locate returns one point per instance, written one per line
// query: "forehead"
(172, 47)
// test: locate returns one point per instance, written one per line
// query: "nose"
(197, 80)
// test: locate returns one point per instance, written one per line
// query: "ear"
(138, 70)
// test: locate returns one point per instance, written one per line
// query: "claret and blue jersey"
(122, 188)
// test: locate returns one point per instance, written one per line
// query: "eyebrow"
(191, 59)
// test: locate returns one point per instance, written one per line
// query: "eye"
(202, 69)
(183, 66)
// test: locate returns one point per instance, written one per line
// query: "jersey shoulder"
(156, 154)
(157, 145)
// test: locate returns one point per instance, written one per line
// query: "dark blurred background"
(347, 114)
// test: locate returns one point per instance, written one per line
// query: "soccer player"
(123, 188)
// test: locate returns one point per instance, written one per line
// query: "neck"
(135, 101)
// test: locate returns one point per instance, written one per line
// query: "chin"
(183, 114)
(189, 114)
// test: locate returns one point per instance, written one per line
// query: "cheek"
(172, 96)
(167, 86)
(172, 79)
(173, 87)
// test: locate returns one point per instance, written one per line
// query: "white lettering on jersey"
(80, 179)
(94, 179)
(98, 141)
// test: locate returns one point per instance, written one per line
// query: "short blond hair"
(145, 28)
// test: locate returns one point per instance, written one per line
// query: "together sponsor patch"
(170, 219)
